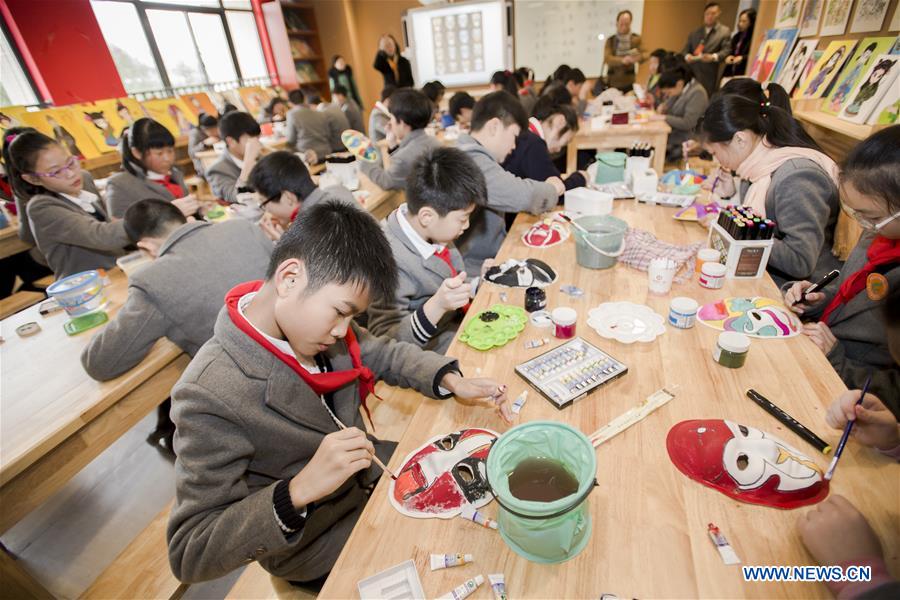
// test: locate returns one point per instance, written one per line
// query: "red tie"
(444, 255)
(172, 187)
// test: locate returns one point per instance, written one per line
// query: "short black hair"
(339, 89)
(545, 108)
(659, 53)
(624, 12)
(445, 179)
(500, 105)
(339, 243)
(296, 96)
(710, 5)
(871, 167)
(459, 101)
(237, 123)
(151, 218)
(279, 172)
(558, 92)
(205, 120)
(312, 96)
(670, 78)
(575, 76)
(387, 91)
(411, 107)
(434, 90)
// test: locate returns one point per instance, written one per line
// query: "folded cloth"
(642, 246)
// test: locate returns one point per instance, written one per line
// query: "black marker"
(789, 422)
(817, 286)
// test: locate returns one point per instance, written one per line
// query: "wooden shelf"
(851, 130)
(301, 33)
(314, 57)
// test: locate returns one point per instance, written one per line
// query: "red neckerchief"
(533, 129)
(321, 383)
(444, 255)
(176, 190)
(882, 251)
(294, 213)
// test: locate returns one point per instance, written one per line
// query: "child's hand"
(187, 205)
(793, 294)
(487, 264)
(340, 455)
(875, 425)
(479, 388)
(310, 157)
(821, 336)
(835, 532)
(557, 184)
(252, 149)
(454, 293)
(271, 228)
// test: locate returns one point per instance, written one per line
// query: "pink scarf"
(765, 160)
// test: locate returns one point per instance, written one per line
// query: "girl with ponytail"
(787, 178)
(149, 171)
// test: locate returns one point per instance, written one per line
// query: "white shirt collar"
(424, 248)
(539, 129)
(85, 200)
(235, 159)
(281, 345)
(154, 176)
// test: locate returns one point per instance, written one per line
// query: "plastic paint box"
(588, 202)
(743, 259)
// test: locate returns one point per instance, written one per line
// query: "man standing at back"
(707, 48)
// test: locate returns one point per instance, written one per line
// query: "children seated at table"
(201, 138)
(266, 470)
(69, 223)
(380, 115)
(336, 119)
(497, 120)
(787, 179)
(179, 293)
(443, 190)
(148, 171)
(550, 129)
(411, 111)
(685, 101)
(307, 129)
(849, 327)
(284, 188)
(351, 109)
(434, 91)
(228, 176)
(460, 109)
(275, 112)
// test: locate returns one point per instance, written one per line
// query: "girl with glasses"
(848, 323)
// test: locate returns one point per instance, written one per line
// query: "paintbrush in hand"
(374, 456)
(840, 449)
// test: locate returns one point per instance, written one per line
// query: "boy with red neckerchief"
(265, 470)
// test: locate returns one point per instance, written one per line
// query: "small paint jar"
(683, 312)
(705, 255)
(712, 275)
(731, 349)
(564, 322)
(535, 299)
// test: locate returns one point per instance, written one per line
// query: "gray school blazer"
(222, 177)
(682, 115)
(245, 420)
(307, 129)
(71, 239)
(413, 146)
(179, 294)
(124, 189)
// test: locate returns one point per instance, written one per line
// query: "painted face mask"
(745, 463)
(445, 474)
(757, 317)
(521, 273)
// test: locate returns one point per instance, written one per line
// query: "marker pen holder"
(744, 259)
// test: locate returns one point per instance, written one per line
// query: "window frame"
(142, 6)
(17, 55)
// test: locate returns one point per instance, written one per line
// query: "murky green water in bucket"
(606, 233)
(544, 532)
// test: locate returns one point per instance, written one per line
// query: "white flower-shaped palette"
(626, 322)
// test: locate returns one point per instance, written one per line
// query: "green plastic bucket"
(543, 532)
(610, 167)
(604, 241)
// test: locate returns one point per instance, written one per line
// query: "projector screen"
(459, 44)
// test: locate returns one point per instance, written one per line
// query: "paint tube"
(519, 402)
(729, 556)
(443, 561)
(498, 586)
(470, 513)
(465, 590)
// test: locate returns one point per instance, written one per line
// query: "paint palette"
(570, 371)
(494, 327)
(359, 145)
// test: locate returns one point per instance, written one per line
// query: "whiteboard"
(549, 33)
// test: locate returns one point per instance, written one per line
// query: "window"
(209, 35)
(15, 87)
(128, 45)
(176, 46)
(247, 45)
(209, 3)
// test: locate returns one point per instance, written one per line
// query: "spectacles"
(270, 199)
(69, 169)
(866, 223)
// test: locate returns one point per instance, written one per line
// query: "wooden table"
(609, 137)
(10, 243)
(380, 202)
(55, 418)
(649, 521)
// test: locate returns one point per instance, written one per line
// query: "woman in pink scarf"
(787, 178)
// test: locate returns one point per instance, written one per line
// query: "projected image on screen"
(457, 43)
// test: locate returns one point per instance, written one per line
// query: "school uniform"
(528, 99)
(337, 124)
(378, 120)
(75, 233)
(804, 203)
(178, 295)
(307, 129)
(531, 158)
(124, 189)
(716, 41)
(422, 267)
(858, 324)
(506, 194)
(248, 418)
(682, 114)
(403, 158)
(223, 175)
(354, 115)
(197, 144)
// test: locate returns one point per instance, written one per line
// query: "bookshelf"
(296, 46)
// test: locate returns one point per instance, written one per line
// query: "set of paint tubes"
(742, 223)
(641, 149)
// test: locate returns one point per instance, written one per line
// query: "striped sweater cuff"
(422, 329)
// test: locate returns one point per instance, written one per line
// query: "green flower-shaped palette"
(494, 327)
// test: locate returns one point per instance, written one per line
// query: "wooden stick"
(374, 456)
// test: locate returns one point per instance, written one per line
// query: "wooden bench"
(142, 569)
(255, 583)
(19, 301)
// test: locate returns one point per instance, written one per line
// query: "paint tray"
(85, 322)
(400, 582)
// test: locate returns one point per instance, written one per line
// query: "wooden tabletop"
(618, 136)
(9, 240)
(47, 395)
(649, 534)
